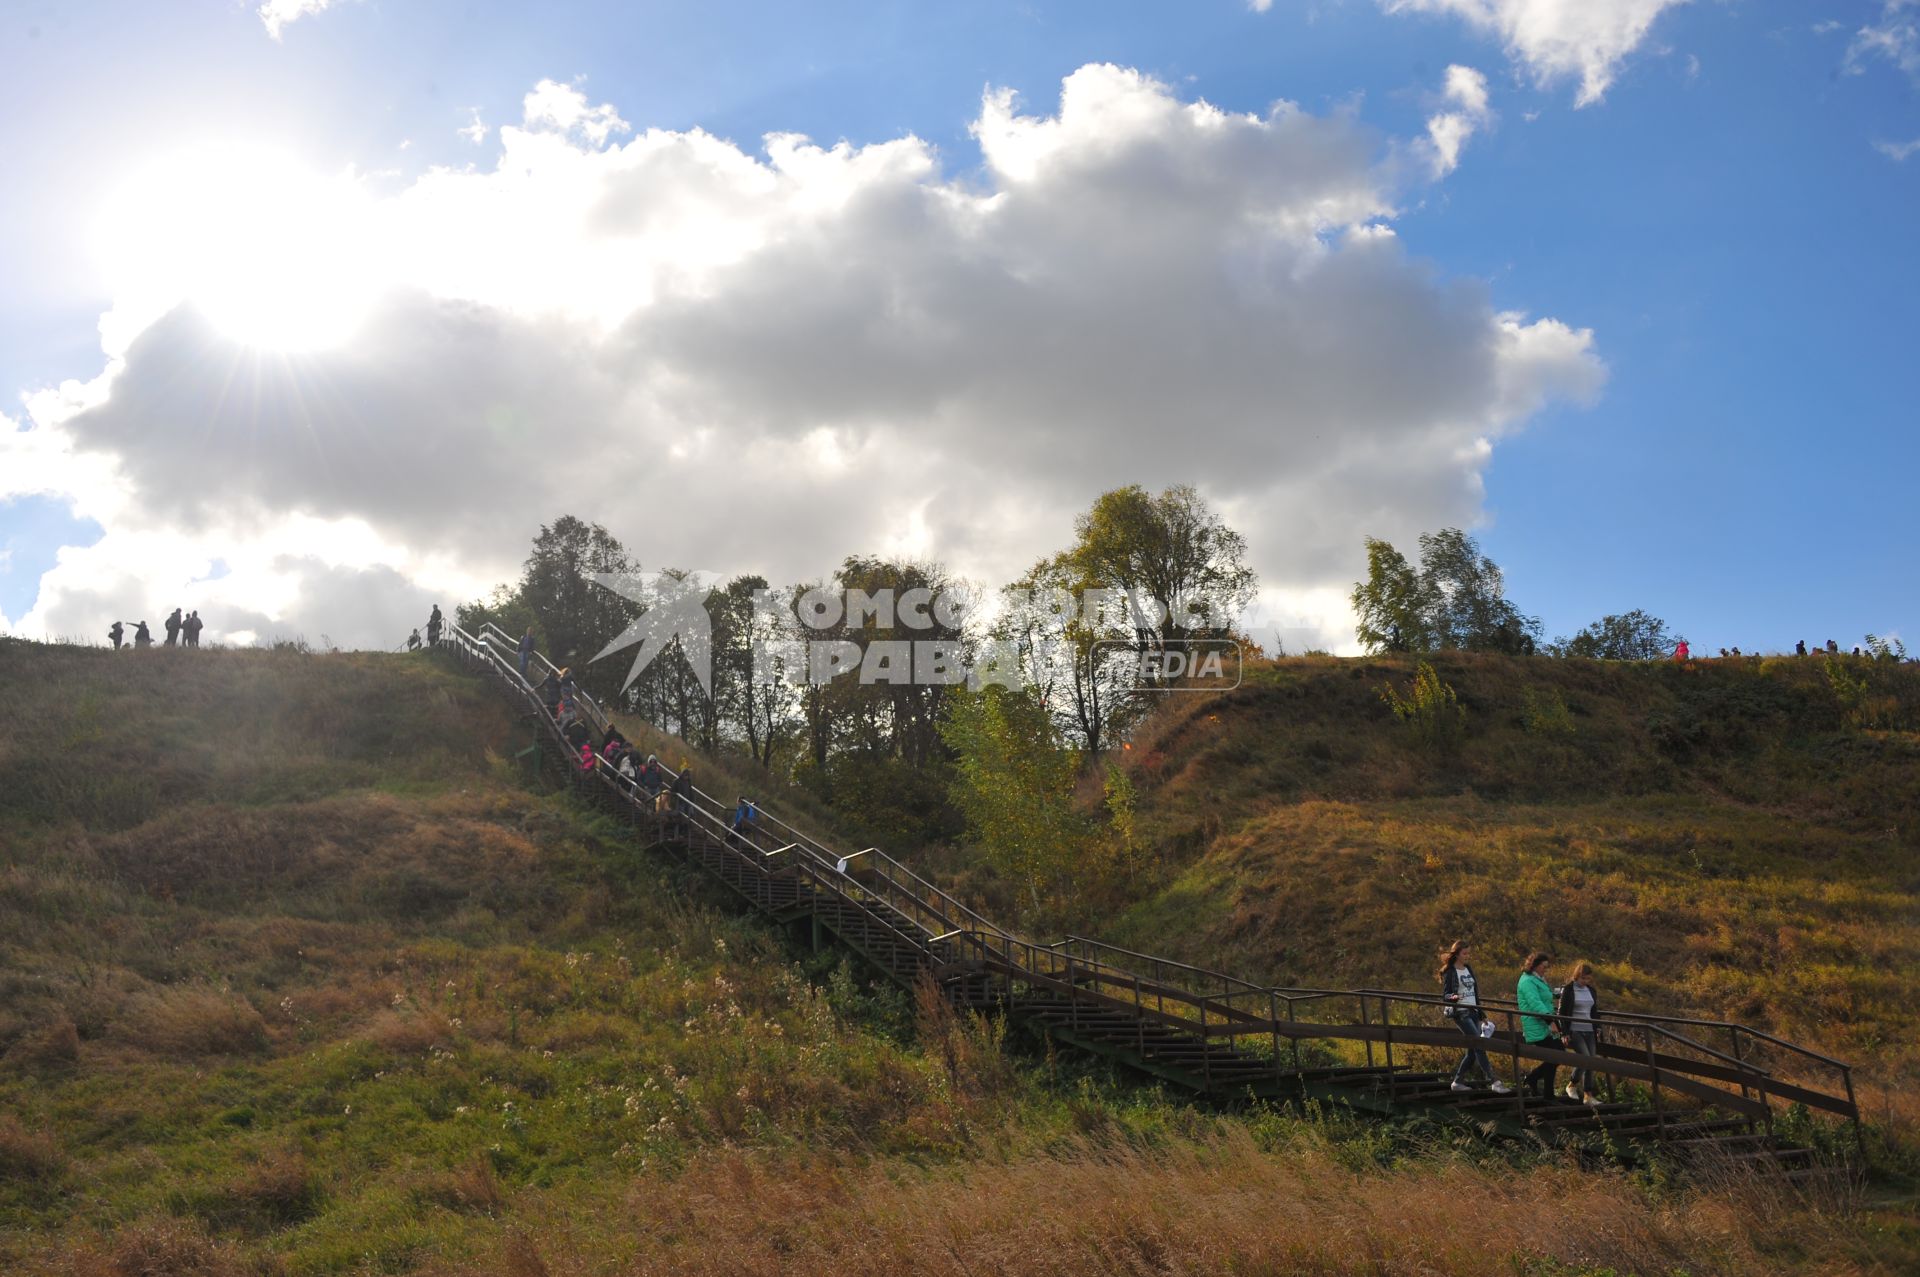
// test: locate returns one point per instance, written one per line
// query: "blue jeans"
(1476, 1056)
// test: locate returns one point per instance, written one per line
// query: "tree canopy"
(1455, 600)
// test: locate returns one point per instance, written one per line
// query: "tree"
(1631, 636)
(1181, 565)
(753, 694)
(1014, 781)
(573, 617)
(1457, 600)
(1061, 645)
(1391, 605)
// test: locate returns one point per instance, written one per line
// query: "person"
(1579, 1008)
(117, 633)
(1799, 647)
(142, 636)
(624, 766)
(1833, 648)
(683, 789)
(173, 628)
(1458, 988)
(526, 651)
(567, 686)
(1681, 651)
(651, 777)
(1538, 1023)
(550, 694)
(1856, 651)
(434, 623)
(580, 740)
(743, 816)
(413, 640)
(194, 626)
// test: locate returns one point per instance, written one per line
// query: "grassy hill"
(1729, 839)
(300, 974)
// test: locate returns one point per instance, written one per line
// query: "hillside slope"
(299, 974)
(1721, 839)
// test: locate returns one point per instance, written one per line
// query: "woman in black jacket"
(1461, 993)
(1579, 1008)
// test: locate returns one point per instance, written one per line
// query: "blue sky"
(1733, 220)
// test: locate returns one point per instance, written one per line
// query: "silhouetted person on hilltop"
(142, 636)
(1833, 648)
(191, 628)
(1681, 651)
(413, 640)
(1856, 651)
(434, 623)
(173, 628)
(1799, 647)
(117, 633)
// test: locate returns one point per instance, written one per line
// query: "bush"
(1430, 710)
(1546, 713)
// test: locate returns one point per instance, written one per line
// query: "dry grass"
(1220, 1205)
(26, 1154)
(193, 1021)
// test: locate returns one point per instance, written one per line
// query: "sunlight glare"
(272, 254)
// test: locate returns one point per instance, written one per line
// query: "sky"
(312, 312)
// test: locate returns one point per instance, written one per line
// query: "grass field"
(299, 974)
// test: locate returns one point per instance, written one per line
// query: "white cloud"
(563, 109)
(1898, 151)
(1557, 39)
(1895, 38)
(766, 362)
(1448, 131)
(278, 15)
(475, 130)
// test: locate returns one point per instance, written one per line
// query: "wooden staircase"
(1669, 1085)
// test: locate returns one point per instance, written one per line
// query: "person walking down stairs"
(1538, 1023)
(1459, 989)
(1579, 1009)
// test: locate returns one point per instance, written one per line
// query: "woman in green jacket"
(1538, 1024)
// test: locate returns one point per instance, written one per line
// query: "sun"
(273, 254)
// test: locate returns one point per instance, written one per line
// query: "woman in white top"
(1460, 992)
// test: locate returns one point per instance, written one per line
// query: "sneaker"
(1501, 1088)
(1461, 1086)
(1573, 1093)
(1592, 1101)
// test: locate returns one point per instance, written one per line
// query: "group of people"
(182, 631)
(435, 623)
(1568, 1018)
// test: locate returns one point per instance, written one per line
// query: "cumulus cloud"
(1557, 39)
(767, 361)
(278, 15)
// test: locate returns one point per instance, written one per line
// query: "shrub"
(1430, 710)
(1545, 713)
